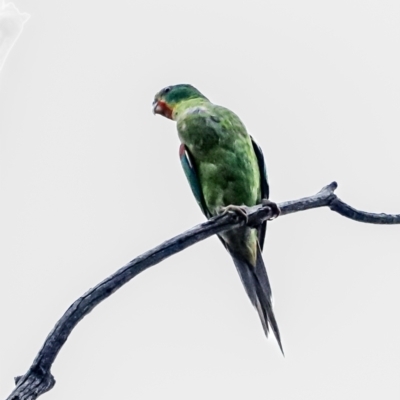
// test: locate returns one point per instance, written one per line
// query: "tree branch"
(39, 379)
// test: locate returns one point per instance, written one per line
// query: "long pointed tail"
(255, 281)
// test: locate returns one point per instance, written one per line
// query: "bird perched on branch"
(226, 171)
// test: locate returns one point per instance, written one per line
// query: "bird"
(226, 171)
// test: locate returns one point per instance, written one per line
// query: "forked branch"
(39, 379)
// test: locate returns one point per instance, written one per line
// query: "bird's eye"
(167, 89)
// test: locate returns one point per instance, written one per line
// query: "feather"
(256, 283)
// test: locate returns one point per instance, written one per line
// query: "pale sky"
(90, 179)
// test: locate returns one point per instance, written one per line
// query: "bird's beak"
(160, 107)
(157, 108)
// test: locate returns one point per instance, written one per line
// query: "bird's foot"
(276, 211)
(239, 211)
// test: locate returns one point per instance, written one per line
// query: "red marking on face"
(162, 108)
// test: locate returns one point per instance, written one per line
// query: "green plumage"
(223, 152)
(224, 167)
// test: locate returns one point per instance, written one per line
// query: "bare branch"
(39, 379)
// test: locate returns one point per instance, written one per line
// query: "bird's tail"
(256, 282)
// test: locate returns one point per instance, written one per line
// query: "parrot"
(226, 171)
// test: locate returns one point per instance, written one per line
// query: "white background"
(89, 179)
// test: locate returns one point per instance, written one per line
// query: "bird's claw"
(239, 211)
(276, 211)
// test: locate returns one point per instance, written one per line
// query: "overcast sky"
(90, 179)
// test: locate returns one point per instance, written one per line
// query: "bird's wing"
(189, 167)
(264, 188)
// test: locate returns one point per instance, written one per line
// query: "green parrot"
(226, 171)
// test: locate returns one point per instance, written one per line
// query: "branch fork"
(39, 379)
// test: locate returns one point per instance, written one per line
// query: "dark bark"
(39, 379)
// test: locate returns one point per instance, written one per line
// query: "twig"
(39, 379)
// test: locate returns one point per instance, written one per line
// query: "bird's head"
(168, 98)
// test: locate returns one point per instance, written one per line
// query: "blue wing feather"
(192, 176)
(263, 169)
(264, 188)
